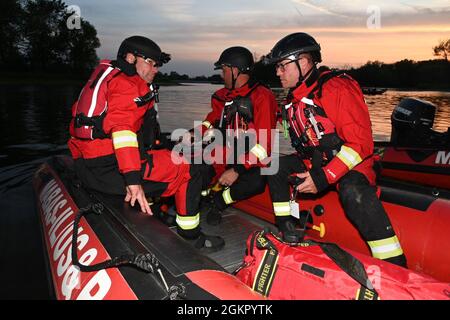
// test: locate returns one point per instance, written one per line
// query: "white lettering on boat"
(101, 282)
(443, 157)
(56, 214)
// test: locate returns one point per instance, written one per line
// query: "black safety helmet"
(143, 47)
(293, 45)
(238, 57)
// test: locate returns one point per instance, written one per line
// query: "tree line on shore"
(45, 37)
(37, 40)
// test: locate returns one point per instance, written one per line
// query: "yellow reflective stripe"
(385, 248)
(255, 280)
(207, 124)
(123, 133)
(227, 196)
(188, 222)
(205, 192)
(368, 295)
(259, 152)
(125, 138)
(349, 156)
(282, 209)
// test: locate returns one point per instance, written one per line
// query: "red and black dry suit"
(124, 155)
(250, 109)
(330, 126)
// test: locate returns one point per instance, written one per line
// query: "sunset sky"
(196, 31)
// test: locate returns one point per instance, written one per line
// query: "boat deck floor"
(235, 228)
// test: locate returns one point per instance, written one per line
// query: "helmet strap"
(127, 68)
(233, 79)
(302, 77)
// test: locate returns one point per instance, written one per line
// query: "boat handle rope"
(144, 261)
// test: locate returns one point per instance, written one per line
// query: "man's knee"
(352, 188)
(252, 181)
(260, 184)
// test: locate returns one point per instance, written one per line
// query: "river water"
(31, 117)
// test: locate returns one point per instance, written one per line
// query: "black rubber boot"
(290, 234)
(214, 216)
(398, 260)
(168, 218)
(213, 211)
(208, 243)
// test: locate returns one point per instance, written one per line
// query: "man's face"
(146, 69)
(288, 72)
(227, 76)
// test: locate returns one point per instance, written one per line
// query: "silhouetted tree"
(442, 49)
(41, 31)
(215, 78)
(48, 44)
(11, 14)
(79, 51)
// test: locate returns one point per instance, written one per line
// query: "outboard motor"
(412, 125)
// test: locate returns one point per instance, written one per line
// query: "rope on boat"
(144, 261)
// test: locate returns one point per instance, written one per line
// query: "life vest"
(92, 105)
(312, 133)
(90, 108)
(237, 112)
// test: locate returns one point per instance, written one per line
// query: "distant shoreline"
(446, 90)
(420, 89)
(62, 81)
(56, 79)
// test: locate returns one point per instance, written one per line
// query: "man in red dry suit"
(115, 138)
(329, 125)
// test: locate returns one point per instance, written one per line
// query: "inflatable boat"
(172, 268)
(415, 152)
(125, 254)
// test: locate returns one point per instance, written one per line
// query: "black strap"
(145, 99)
(150, 131)
(96, 122)
(348, 263)
(268, 266)
(319, 86)
(233, 108)
(144, 261)
(324, 78)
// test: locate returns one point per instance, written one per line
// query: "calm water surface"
(40, 114)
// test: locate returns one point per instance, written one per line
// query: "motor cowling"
(412, 124)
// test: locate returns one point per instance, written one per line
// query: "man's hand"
(136, 192)
(228, 177)
(186, 139)
(208, 135)
(308, 185)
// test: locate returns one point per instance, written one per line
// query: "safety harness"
(329, 143)
(239, 109)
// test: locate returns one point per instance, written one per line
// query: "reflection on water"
(381, 106)
(35, 114)
(40, 114)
